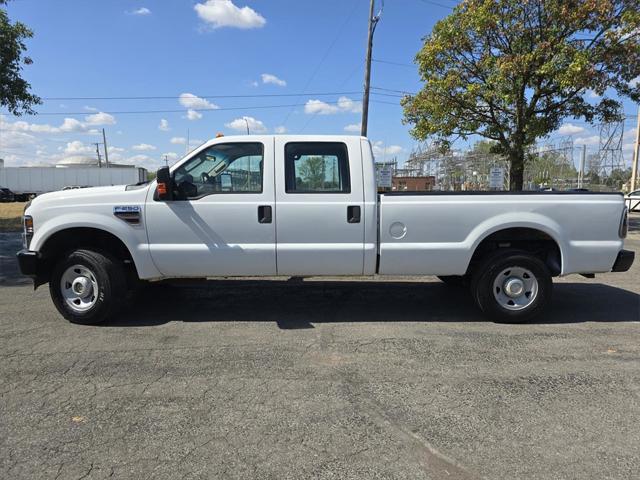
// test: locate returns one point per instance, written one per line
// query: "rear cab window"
(317, 167)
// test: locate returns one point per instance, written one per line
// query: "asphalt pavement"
(321, 379)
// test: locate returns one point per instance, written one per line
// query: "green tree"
(312, 173)
(512, 70)
(550, 168)
(14, 90)
(618, 178)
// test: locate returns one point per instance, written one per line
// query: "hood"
(78, 193)
(85, 197)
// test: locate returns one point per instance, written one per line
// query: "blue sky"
(187, 50)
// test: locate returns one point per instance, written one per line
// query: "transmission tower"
(610, 152)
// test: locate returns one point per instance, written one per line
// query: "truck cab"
(219, 217)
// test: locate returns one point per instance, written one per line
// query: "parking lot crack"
(432, 461)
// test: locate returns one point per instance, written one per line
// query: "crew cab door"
(221, 221)
(320, 207)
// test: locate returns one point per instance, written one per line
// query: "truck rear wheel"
(87, 287)
(511, 286)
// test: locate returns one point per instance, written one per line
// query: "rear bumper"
(624, 260)
(28, 262)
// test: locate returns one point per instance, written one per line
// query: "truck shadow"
(298, 305)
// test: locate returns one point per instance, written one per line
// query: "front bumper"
(28, 262)
(624, 260)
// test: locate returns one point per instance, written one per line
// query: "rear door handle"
(353, 214)
(264, 214)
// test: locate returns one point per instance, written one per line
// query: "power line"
(403, 92)
(314, 115)
(326, 54)
(393, 63)
(140, 112)
(436, 4)
(170, 97)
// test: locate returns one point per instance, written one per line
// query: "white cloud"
(68, 125)
(344, 104)
(352, 127)
(318, 107)
(223, 13)
(281, 129)
(143, 161)
(634, 82)
(90, 109)
(178, 140)
(570, 129)
(240, 124)
(164, 125)
(254, 83)
(142, 11)
(347, 105)
(100, 118)
(591, 140)
(15, 139)
(115, 154)
(189, 100)
(380, 150)
(193, 115)
(141, 147)
(270, 78)
(78, 148)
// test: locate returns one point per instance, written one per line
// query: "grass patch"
(11, 216)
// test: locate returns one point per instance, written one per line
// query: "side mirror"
(165, 184)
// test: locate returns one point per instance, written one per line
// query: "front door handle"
(264, 214)
(353, 214)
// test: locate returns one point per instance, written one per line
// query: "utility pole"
(583, 159)
(373, 21)
(98, 153)
(106, 153)
(247, 122)
(636, 154)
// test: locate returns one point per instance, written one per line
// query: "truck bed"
(437, 232)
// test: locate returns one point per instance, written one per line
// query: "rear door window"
(317, 167)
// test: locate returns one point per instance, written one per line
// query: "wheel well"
(87, 238)
(530, 240)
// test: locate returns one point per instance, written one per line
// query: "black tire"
(455, 280)
(111, 281)
(482, 286)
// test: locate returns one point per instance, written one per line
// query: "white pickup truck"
(308, 206)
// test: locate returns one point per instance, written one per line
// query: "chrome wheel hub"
(79, 288)
(515, 288)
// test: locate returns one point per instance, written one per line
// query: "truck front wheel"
(512, 286)
(87, 287)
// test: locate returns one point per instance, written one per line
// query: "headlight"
(28, 230)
